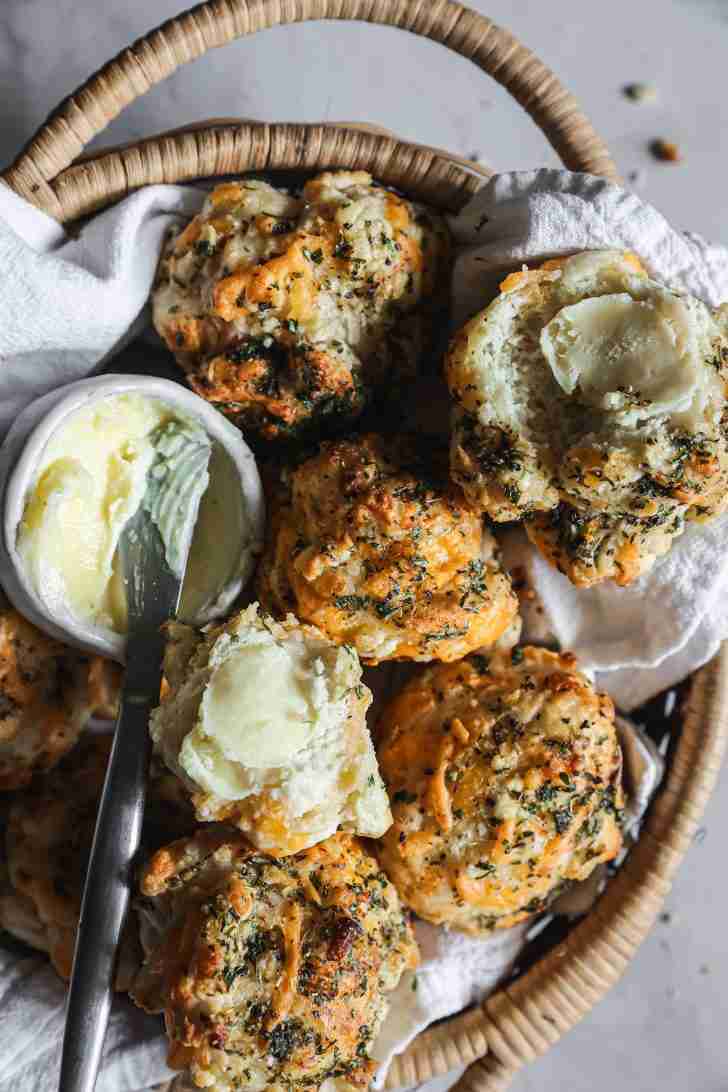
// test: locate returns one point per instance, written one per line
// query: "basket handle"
(488, 1074)
(182, 39)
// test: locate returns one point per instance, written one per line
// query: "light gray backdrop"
(664, 1026)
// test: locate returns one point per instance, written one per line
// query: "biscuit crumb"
(665, 150)
(640, 92)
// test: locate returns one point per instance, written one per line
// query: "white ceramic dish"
(19, 458)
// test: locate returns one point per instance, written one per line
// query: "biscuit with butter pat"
(591, 401)
(264, 722)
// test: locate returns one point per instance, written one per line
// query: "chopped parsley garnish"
(284, 1039)
(204, 248)
(446, 633)
(351, 602)
(231, 973)
(342, 249)
(480, 663)
(250, 349)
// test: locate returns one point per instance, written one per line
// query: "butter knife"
(153, 593)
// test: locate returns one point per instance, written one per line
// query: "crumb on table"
(665, 150)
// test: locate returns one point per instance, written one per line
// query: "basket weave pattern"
(523, 1020)
(40, 173)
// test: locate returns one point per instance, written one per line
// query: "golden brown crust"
(505, 784)
(590, 547)
(377, 555)
(49, 833)
(49, 837)
(271, 973)
(283, 310)
(281, 386)
(48, 692)
(104, 687)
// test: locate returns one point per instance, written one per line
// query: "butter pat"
(631, 357)
(264, 703)
(265, 724)
(109, 458)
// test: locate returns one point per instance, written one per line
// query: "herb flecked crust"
(505, 783)
(378, 551)
(270, 973)
(48, 841)
(48, 692)
(289, 311)
(601, 499)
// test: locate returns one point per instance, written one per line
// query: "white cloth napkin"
(455, 971)
(69, 302)
(32, 1002)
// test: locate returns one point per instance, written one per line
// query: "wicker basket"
(521, 1021)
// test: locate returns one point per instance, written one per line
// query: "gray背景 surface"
(663, 1026)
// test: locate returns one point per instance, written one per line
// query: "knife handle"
(110, 876)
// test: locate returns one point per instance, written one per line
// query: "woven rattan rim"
(211, 150)
(521, 1021)
(232, 145)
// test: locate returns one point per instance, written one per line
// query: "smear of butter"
(631, 357)
(176, 481)
(109, 458)
(91, 480)
(222, 530)
(264, 722)
(268, 701)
